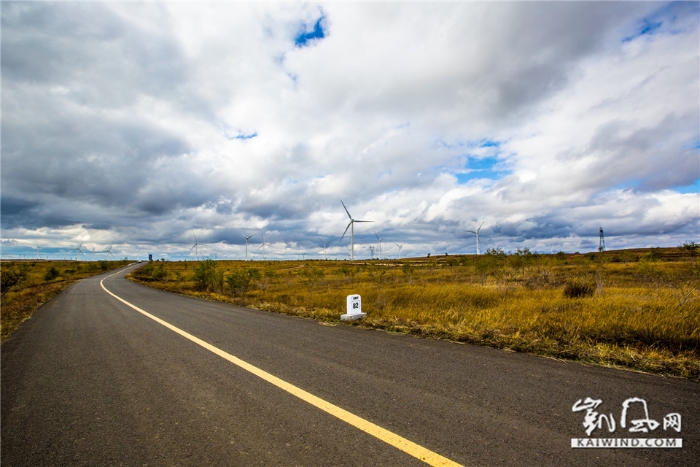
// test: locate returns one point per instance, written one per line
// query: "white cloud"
(143, 123)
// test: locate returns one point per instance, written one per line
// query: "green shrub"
(12, 276)
(51, 274)
(239, 281)
(207, 277)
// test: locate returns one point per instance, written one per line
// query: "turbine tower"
(601, 245)
(351, 226)
(194, 247)
(371, 251)
(78, 251)
(379, 240)
(38, 248)
(263, 246)
(476, 232)
(325, 244)
(400, 246)
(246, 244)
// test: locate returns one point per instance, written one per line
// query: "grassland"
(26, 285)
(636, 309)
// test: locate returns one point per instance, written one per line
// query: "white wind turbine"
(38, 248)
(246, 244)
(400, 246)
(325, 244)
(351, 226)
(194, 247)
(108, 251)
(263, 246)
(379, 240)
(78, 251)
(476, 232)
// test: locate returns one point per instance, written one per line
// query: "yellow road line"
(409, 447)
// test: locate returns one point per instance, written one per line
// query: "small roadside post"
(354, 310)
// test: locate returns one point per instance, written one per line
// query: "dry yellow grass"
(39, 284)
(637, 309)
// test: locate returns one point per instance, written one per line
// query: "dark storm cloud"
(31, 214)
(70, 74)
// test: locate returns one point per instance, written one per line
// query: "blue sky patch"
(667, 17)
(244, 136)
(487, 143)
(647, 28)
(488, 167)
(693, 188)
(303, 38)
(457, 144)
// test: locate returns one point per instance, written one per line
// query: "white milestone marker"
(354, 308)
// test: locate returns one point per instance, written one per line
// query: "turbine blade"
(482, 223)
(346, 229)
(364, 221)
(346, 209)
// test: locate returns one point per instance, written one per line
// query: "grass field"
(26, 285)
(637, 309)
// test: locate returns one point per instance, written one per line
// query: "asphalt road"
(91, 381)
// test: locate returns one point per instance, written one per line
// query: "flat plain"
(634, 309)
(89, 380)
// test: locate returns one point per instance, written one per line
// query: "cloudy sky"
(143, 125)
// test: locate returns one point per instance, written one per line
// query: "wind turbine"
(78, 250)
(246, 244)
(351, 226)
(194, 247)
(263, 246)
(476, 232)
(371, 251)
(379, 240)
(38, 248)
(400, 246)
(108, 251)
(325, 244)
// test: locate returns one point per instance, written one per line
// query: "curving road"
(90, 380)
